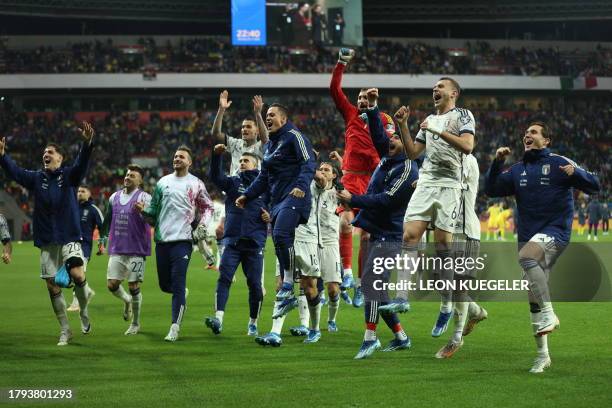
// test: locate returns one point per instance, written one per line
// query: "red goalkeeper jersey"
(359, 152)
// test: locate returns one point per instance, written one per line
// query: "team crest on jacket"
(546, 169)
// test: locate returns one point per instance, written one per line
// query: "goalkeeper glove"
(345, 55)
(199, 234)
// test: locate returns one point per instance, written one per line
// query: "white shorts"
(53, 256)
(438, 205)
(329, 256)
(549, 247)
(307, 259)
(122, 267)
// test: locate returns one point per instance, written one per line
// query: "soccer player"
(445, 137)
(5, 237)
(594, 215)
(176, 200)
(286, 172)
(56, 222)
(313, 253)
(329, 231)
(91, 218)
(381, 212)
(466, 244)
(502, 219)
(492, 225)
(245, 233)
(543, 184)
(581, 212)
(130, 244)
(250, 130)
(360, 160)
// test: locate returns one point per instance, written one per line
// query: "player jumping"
(445, 137)
(381, 211)
(359, 161)
(542, 183)
(286, 172)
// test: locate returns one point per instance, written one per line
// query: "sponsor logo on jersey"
(546, 169)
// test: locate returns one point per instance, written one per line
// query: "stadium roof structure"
(484, 11)
(374, 11)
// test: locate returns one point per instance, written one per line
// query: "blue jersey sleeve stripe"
(402, 179)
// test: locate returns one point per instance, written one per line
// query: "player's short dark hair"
(136, 168)
(250, 119)
(85, 186)
(251, 155)
(185, 148)
(455, 84)
(57, 148)
(281, 108)
(545, 129)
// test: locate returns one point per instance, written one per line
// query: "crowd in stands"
(580, 131)
(216, 54)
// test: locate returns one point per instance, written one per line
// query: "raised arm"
(24, 177)
(377, 131)
(413, 149)
(224, 104)
(498, 183)
(216, 174)
(335, 86)
(261, 124)
(78, 170)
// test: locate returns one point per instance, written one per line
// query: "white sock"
(315, 315)
(461, 312)
(253, 321)
(219, 315)
(288, 278)
(446, 306)
(541, 341)
(303, 310)
(332, 308)
(136, 303)
(122, 294)
(347, 271)
(277, 324)
(358, 282)
(369, 335)
(81, 294)
(473, 309)
(401, 335)
(59, 307)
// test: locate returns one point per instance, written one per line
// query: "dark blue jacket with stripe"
(240, 223)
(543, 192)
(56, 209)
(383, 206)
(91, 217)
(288, 163)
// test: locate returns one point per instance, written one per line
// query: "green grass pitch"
(108, 369)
